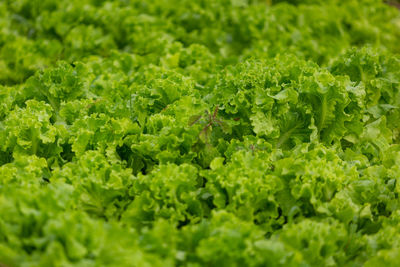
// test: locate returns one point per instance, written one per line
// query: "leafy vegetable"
(199, 133)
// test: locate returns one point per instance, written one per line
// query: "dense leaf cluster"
(199, 133)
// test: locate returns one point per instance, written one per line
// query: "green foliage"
(199, 133)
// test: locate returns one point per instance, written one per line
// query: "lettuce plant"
(199, 133)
